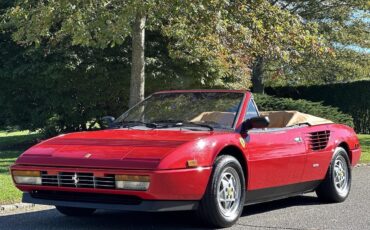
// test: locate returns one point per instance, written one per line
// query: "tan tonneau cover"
(280, 119)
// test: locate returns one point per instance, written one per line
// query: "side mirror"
(107, 121)
(254, 123)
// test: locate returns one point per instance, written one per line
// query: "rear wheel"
(223, 201)
(337, 184)
(72, 211)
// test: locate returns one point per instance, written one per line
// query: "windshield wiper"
(168, 121)
(180, 123)
(130, 124)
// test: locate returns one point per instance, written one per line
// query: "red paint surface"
(179, 184)
(273, 158)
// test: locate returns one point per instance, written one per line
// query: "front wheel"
(72, 211)
(223, 201)
(337, 184)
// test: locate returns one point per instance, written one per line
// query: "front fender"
(203, 150)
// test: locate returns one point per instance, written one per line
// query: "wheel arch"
(345, 146)
(236, 152)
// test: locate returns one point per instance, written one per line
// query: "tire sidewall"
(221, 164)
(340, 152)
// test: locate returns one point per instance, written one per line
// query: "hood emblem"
(87, 155)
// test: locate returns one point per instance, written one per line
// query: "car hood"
(124, 149)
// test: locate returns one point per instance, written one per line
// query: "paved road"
(294, 213)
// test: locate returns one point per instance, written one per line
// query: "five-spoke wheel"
(341, 175)
(223, 201)
(229, 192)
(337, 183)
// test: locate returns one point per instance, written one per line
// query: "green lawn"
(11, 145)
(14, 143)
(18, 139)
(365, 146)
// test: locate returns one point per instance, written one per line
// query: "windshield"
(205, 109)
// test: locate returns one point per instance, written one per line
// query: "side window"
(251, 110)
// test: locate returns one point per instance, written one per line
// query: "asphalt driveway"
(304, 212)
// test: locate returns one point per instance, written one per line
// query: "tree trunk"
(257, 76)
(137, 83)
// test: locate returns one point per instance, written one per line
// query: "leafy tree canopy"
(226, 35)
(345, 26)
(66, 63)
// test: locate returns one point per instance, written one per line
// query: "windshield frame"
(236, 118)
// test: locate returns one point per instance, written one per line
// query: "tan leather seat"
(225, 119)
(281, 119)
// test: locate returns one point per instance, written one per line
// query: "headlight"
(27, 177)
(132, 182)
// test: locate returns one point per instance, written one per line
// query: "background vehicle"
(203, 150)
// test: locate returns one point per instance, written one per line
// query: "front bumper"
(143, 206)
(165, 185)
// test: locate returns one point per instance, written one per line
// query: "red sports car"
(210, 151)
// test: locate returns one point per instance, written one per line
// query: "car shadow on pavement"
(280, 204)
(51, 219)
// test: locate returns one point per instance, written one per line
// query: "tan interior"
(280, 119)
(223, 118)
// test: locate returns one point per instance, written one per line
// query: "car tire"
(223, 201)
(337, 184)
(72, 211)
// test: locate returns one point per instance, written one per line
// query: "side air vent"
(318, 140)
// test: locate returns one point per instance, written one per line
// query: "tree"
(226, 36)
(254, 30)
(91, 24)
(137, 86)
(345, 27)
(67, 89)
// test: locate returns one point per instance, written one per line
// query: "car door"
(276, 157)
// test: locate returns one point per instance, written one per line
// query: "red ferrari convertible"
(210, 151)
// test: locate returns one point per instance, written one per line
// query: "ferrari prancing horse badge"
(242, 142)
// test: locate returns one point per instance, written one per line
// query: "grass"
(14, 143)
(18, 139)
(11, 146)
(365, 146)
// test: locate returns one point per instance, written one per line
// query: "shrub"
(270, 103)
(351, 98)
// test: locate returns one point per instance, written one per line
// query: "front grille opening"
(78, 180)
(86, 197)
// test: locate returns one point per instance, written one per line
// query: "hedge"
(270, 103)
(352, 98)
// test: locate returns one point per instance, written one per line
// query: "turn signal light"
(132, 182)
(26, 173)
(192, 163)
(132, 178)
(27, 177)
